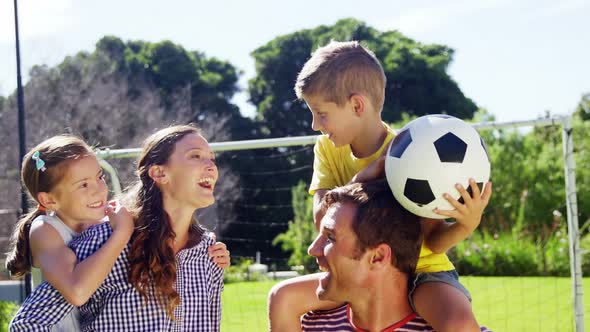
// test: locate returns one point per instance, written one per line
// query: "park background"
(114, 72)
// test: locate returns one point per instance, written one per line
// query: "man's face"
(335, 249)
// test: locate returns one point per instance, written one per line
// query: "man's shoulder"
(326, 320)
(415, 323)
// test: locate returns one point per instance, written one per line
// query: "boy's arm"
(440, 236)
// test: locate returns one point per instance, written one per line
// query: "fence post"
(572, 223)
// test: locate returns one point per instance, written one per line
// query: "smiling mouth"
(323, 268)
(95, 205)
(206, 183)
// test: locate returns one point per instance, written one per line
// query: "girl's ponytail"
(18, 260)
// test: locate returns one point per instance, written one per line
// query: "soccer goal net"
(523, 265)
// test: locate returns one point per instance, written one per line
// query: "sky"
(517, 59)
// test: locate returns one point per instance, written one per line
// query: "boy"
(343, 85)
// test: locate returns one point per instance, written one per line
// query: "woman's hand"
(220, 255)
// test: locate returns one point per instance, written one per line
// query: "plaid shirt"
(117, 306)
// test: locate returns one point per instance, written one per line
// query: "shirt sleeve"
(322, 177)
(46, 306)
(215, 289)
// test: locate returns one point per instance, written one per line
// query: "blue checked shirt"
(117, 306)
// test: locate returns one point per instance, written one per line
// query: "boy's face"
(340, 123)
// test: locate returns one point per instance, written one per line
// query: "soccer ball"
(428, 157)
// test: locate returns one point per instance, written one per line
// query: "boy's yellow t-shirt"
(334, 167)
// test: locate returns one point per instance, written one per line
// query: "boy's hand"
(120, 219)
(468, 214)
(220, 255)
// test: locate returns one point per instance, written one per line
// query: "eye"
(83, 185)
(196, 156)
(329, 237)
(102, 177)
(322, 115)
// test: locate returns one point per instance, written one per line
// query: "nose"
(100, 188)
(315, 124)
(316, 248)
(210, 164)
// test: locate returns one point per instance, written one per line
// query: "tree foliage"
(417, 81)
(301, 231)
(123, 90)
(116, 96)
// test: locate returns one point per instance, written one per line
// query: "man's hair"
(381, 219)
(340, 69)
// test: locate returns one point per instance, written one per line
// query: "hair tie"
(39, 163)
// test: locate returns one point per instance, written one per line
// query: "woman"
(164, 280)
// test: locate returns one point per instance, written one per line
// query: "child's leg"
(445, 305)
(290, 299)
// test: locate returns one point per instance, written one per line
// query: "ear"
(358, 103)
(380, 256)
(158, 174)
(47, 200)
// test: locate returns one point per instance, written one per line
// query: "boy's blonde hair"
(340, 69)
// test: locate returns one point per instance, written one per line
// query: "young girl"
(164, 280)
(63, 176)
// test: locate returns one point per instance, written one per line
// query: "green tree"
(583, 109)
(528, 176)
(301, 231)
(115, 96)
(417, 82)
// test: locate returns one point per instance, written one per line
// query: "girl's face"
(191, 172)
(81, 195)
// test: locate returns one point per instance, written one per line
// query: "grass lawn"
(500, 303)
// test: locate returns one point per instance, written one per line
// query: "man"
(368, 246)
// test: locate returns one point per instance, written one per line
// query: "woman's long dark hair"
(55, 153)
(151, 257)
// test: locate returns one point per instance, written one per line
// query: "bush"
(508, 254)
(238, 271)
(7, 311)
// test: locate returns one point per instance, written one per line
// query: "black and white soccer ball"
(428, 157)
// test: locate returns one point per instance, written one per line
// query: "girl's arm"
(77, 282)
(290, 299)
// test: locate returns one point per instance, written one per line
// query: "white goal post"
(569, 169)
